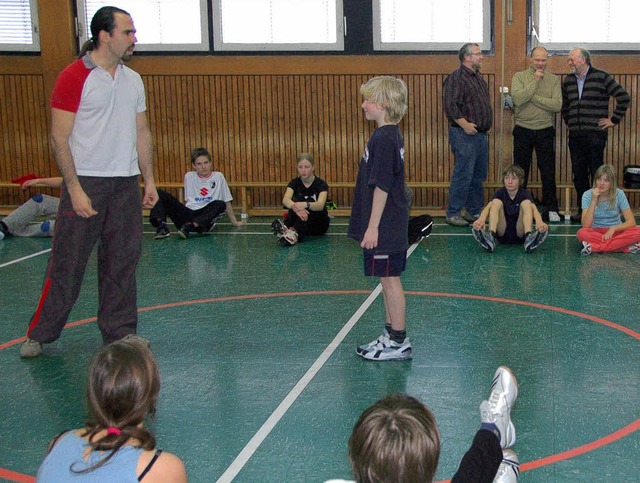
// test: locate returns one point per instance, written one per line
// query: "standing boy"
(511, 213)
(380, 212)
(207, 197)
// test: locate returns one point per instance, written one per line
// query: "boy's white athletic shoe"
(385, 333)
(385, 349)
(497, 409)
(509, 469)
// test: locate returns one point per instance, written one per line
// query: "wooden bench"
(242, 192)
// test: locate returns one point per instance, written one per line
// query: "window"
(259, 25)
(592, 24)
(431, 24)
(19, 26)
(162, 25)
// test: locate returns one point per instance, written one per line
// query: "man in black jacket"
(585, 110)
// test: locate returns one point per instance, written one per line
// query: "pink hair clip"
(115, 431)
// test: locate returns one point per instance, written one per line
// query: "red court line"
(585, 448)
(13, 476)
(619, 434)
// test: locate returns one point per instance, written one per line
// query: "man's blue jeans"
(469, 171)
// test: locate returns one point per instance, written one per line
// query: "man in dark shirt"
(468, 109)
(585, 110)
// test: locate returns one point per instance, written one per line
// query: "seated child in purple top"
(511, 214)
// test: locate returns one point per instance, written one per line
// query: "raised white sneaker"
(586, 248)
(497, 409)
(385, 349)
(554, 217)
(509, 469)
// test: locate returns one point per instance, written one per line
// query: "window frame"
(220, 46)
(83, 31)
(486, 44)
(533, 9)
(34, 46)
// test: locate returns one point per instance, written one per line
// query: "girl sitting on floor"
(602, 227)
(122, 390)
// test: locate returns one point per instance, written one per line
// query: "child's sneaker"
(635, 248)
(485, 239)
(278, 228)
(497, 410)
(30, 348)
(364, 347)
(289, 238)
(509, 469)
(162, 232)
(534, 240)
(586, 248)
(385, 349)
(185, 230)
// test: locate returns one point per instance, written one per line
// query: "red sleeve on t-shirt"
(67, 91)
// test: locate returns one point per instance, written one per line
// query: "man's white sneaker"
(385, 349)
(497, 409)
(30, 348)
(509, 469)
(554, 217)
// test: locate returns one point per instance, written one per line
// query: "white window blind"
(19, 26)
(431, 24)
(162, 25)
(593, 24)
(278, 25)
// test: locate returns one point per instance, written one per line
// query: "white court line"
(243, 457)
(25, 258)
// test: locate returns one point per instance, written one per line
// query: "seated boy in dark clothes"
(511, 213)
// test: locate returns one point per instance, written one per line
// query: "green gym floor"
(256, 346)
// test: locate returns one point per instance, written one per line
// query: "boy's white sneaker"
(497, 409)
(385, 349)
(509, 469)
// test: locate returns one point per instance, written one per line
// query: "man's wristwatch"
(308, 206)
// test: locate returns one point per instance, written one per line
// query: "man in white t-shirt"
(207, 198)
(102, 143)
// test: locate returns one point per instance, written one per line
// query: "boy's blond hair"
(389, 92)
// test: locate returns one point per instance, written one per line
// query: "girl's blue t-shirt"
(606, 216)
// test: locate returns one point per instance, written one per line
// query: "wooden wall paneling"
(6, 152)
(221, 127)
